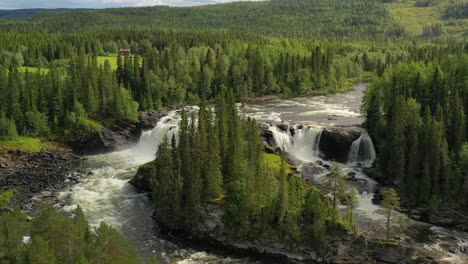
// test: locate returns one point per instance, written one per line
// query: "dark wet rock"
(36, 174)
(375, 174)
(335, 142)
(360, 184)
(292, 131)
(352, 174)
(283, 127)
(319, 162)
(143, 179)
(268, 137)
(389, 253)
(310, 171)
(149, 119)
(116, 137)
(327, 167)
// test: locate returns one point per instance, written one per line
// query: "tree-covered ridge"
(352, 18)
(218, 159)
(418, 114)
(53, 238)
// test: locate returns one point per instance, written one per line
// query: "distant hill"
(22, 13)
(356, 19)
(298, 18)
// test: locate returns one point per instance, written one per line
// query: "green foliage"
(336, 184)
(7, 128)
(417, 115)
(26, 144)
(77, 124)
(111, 247)
(390, 202)
(5, 198)
(54, 238)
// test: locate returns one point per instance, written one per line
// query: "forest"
(417, 112)
(68, 75)
(218, 159)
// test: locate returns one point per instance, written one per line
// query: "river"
(104, 193)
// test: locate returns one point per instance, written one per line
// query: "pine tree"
(390, 202)
(166, 184)
(337, 186)
(111, 247)
(39, 252)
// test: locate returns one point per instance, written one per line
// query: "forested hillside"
(335, 18)
(290, 18)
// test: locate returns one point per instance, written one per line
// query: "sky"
(21, 4)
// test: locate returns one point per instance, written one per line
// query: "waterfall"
(362, 151)
(317, 145)
(297, 140)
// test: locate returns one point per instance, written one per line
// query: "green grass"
(33, 69)
(274, 162)
(26, 144)
(414, 18)
(112, 58)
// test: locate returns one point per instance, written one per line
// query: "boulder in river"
(335, 142)
(309, 172)
(143, 179)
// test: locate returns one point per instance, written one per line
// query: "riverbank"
(36, 175)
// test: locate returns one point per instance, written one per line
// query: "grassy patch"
(273, 161)
(26, 144)
(33, 69)
(112, 58)
(414, 18)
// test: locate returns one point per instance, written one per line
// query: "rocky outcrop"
(143, 179)
(444, 217)
(118, 136)
(310, 171)
(107, 139)
(149, 119)
(35, 174)
(335, 142)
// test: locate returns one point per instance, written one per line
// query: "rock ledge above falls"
(118, 136)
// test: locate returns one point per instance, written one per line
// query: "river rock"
(309, 171)
(116, 137)
(268, 137)
(36, 175)
(283, 127)
(149, 119)
(335, 142)
(143, 179)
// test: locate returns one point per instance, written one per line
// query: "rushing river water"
(105, 194)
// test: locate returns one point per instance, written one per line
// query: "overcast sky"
(20, 4)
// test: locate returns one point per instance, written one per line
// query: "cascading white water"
(301, 145)
(362, 151)
(317, 144)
